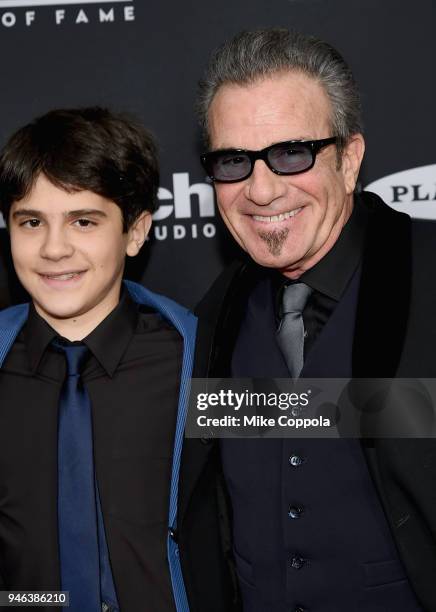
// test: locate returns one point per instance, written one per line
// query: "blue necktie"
(80, 523)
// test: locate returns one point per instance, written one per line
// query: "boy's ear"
(137, 233)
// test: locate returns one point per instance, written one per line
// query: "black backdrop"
(145, 57)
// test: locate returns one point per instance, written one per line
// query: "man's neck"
(308, 262)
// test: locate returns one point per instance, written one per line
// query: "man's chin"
(282, 262)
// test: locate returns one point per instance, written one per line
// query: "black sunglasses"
(290, 157)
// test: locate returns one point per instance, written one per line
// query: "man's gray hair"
(254, 55)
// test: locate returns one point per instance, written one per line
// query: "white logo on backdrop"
(9, 19)
(192, 209)
(411, 191)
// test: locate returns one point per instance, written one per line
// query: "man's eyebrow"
(233, 148)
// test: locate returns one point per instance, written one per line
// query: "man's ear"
(137, 233)
(351, 161)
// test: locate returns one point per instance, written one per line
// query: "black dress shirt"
(329, 277)
(132, 376)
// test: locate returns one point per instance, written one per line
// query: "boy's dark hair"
(83, 149)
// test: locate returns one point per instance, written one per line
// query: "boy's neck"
(79, 327)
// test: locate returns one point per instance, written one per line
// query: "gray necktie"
(290, 335)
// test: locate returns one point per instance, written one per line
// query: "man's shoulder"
(377, 207)
(214, 297)
(424, 234)
(423, 231)
(423, 254)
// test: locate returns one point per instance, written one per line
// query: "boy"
(94, 373)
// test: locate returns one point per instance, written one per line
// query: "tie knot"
(75, 356)
(295, 297)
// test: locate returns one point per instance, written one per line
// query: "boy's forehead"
(49, 198)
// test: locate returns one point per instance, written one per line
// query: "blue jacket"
(12, 320)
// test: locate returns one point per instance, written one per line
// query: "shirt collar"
(107, 342)
(333, 272)
(110, 339)
(37, 336)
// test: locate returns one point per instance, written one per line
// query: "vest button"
(295, 512)
(297, 562)
(296, 460)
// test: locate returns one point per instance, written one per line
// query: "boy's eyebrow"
(26, 212)
(83, 212)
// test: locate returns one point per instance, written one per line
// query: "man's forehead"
(289, 106)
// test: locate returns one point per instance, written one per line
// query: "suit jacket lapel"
(381, 325)
(384, 295)
(219, 315)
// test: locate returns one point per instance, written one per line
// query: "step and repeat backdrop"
(145, 57)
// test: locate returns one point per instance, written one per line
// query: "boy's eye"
(84, 222)
(31, 223)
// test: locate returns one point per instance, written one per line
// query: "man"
(93, 381)
(318, 525)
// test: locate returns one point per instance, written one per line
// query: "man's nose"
(263, 186)
(56, 244)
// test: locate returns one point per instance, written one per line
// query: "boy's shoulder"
(14, 316)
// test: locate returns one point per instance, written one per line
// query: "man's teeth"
(275, 218)
(63, 276)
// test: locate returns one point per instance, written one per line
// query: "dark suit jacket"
(395, 336)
